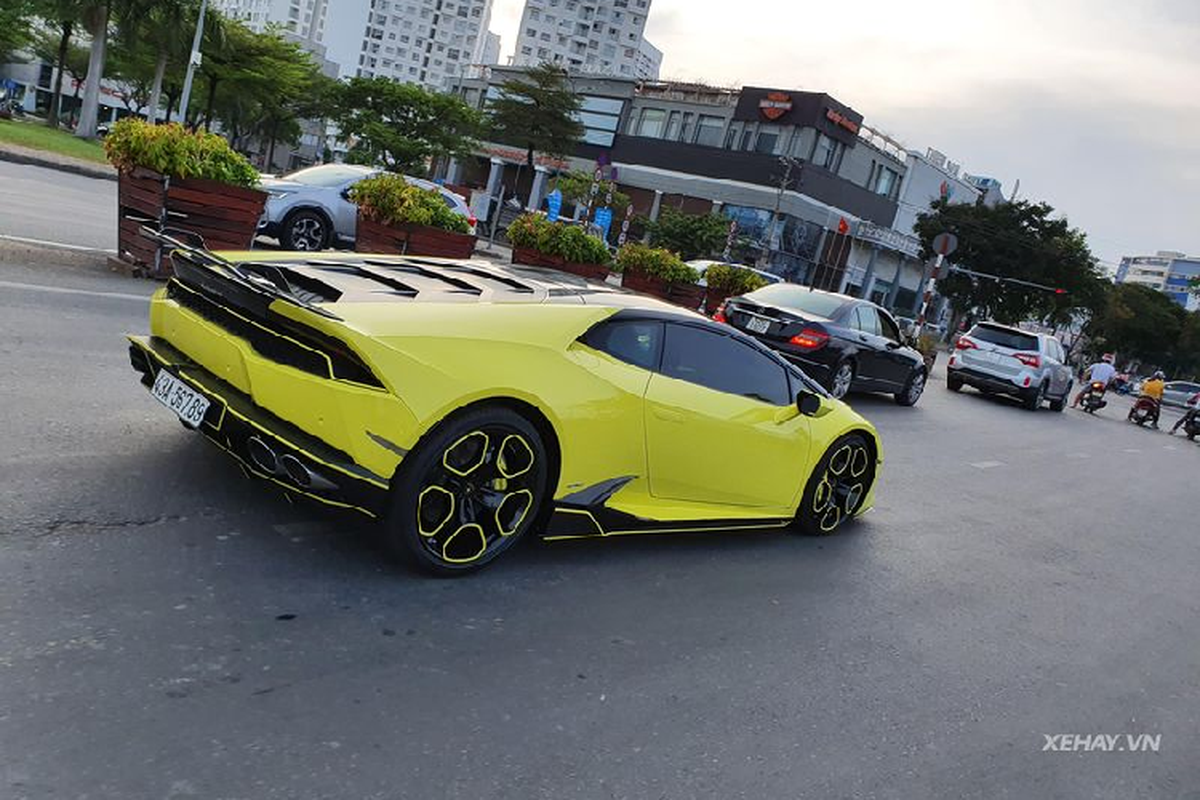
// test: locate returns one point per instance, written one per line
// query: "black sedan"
(842, 342)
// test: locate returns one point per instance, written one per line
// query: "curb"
(31, 158)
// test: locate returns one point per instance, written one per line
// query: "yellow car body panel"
(684, 454)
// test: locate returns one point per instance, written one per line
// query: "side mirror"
(346, 195)
(808, 403)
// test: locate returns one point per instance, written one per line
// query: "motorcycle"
(1146, 409)
(1191, 420)
(1093, 398)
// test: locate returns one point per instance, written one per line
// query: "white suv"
(1004, 360)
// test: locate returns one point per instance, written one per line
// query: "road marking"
(33, 287)
(987, 464)
(1169, 447)
(1079, 455)
(60, 245)
(1133, 450)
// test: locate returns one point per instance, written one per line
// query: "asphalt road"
(53, 206)
(170, 629)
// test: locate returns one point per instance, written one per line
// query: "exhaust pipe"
(262, 455)
(304, 477)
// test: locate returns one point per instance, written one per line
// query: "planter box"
(411, 240)
(536, 258)
(713, 298)
(226, 216)
(688, 295)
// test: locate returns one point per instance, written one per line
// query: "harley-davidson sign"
(775, 105)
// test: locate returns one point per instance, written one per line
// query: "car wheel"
(911, 393)
(304, 230)
(840, 379)
(1061, 403)
(954, 383)
(468, 492)
(838, 486)
(1035, 397)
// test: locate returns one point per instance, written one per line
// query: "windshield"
(799, 298)
(326, 175)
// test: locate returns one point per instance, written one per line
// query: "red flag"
(843, 226)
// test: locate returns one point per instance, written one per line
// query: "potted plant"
(538, 242)
(727, 280)
(660, 273)
(169, 176)
(396, 217)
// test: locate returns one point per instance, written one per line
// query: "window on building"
(673, 126)
(685, 132)
(732, 137)
(651, 123)
(886, 181)
(827, 153)
(708, 130)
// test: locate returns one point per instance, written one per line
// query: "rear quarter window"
(1003, 337)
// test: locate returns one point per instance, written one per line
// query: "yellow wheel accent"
(526, 498)
(840, 460)
(854, 497)
(858, 464)
(449, 500)
(462, 538)
(515, 455)
(469, 462)
(831, 519)
(823, 496)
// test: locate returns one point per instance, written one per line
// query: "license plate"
(180, 398)
(758, 325)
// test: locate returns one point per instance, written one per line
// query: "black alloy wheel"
(838, 486)
(305, 230)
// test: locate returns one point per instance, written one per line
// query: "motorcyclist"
(1193, 410)
(1102, 371)
(1153, 389)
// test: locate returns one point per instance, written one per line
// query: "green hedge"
(732, 280)
(569, 242)
(175, 151)
(391, 200)
(655, 262)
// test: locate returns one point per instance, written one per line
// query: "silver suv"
(1004, 360)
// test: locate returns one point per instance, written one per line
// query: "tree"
(690, 235)
(154, 34)
(1019, 242)
(96, 15)
(54, 45)
(539, 112)
(1138, 322)
(16, 18)
(401, 125)
(576, 187)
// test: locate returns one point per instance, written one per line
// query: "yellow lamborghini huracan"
(465, 405)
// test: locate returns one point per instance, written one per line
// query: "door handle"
(668, 414)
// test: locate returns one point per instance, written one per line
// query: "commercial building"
(1167, 271)
(491, 50)
(597, 36)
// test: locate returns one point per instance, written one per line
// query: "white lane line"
(1169, 447)
(33, 287)
(1133, 450)
(987, 464)
(59, 245)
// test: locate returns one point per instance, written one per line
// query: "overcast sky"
(1093, 104)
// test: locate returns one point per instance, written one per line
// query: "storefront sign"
(889, 238)
(518, 156)
(841, 120)
(775, 105)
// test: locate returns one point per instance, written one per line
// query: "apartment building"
(429, 42)
(1167, 271)
(598, 36)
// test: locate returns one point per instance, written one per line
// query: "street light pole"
(193, 62)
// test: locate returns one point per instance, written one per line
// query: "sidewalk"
(42, 158)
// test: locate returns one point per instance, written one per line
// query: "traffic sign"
(945, 243)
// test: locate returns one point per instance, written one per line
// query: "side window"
(889, 327)
(634, 342)
(866, 320)
(721, 362)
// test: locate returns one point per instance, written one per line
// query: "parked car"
(311, 209)
(1004, 360)
(842, 342)
(702, 265)
(1178, 393)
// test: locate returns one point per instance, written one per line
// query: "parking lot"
(172, 629)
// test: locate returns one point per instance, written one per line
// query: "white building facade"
(429, 42)
(603, 37)
(649, 62)
(303, 18)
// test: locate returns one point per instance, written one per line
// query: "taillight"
(811, 339)
(1097, 386)
(1029, 359)
(720, 315)
(964, 343)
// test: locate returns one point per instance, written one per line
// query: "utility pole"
(789, 164)
(194, 61)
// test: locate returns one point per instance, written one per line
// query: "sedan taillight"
(964, 343)
(720, 315)
(811, 339)
(1029, 359)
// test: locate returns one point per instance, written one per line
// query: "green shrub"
(569, 242)
(655, 262)
(175, 151)
(391, 200)
(733, 280)
(690, 235)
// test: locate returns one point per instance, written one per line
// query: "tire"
(954, 383)
(469, 491)
(1033, 399)
(1061, 403)
(913, 388)
(834, 495)
(305, 230)
(841, 377)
